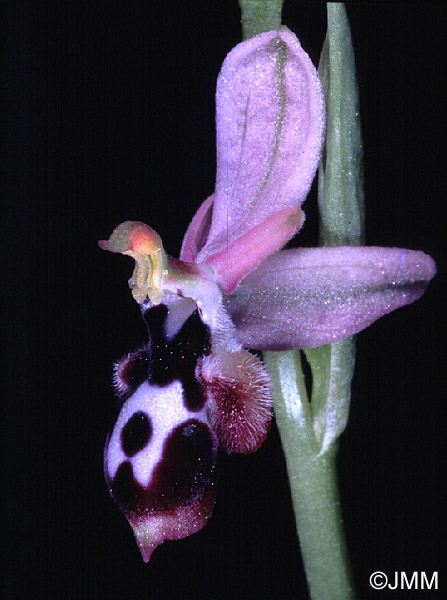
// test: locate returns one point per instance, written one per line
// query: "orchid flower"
(195, 387)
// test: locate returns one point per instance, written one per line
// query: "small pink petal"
(197, 232)
(247, 252)
(270, 125)
(313, 296)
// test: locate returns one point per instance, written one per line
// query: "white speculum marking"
(166, 410)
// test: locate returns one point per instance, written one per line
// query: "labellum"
(191, 389)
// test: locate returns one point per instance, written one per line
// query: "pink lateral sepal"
(238, 391)
(243, 255)
(308, 297)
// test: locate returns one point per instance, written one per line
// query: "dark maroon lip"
(184, 474)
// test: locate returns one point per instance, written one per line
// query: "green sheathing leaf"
(341, 180)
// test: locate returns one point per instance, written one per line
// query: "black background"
(111, 117)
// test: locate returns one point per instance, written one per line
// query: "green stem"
(340, 176)
(309, 430)
(259, 16)
(313, 483)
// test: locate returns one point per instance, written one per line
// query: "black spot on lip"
(136, 433)
(183, 475)
(177, 359)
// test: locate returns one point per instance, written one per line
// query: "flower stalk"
(309, 428)
(313, 482)
(259, 16)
